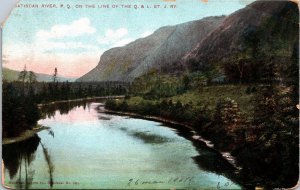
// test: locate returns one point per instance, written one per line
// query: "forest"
(21, 98)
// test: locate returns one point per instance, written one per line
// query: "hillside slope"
(162, 49)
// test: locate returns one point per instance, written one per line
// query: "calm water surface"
(87, 148)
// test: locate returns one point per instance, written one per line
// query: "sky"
(73, 36)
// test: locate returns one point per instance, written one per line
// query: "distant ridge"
(12, 75)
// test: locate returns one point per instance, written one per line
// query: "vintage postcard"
(151, 94)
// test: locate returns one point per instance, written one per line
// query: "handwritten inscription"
(224, 185)
(171, 180)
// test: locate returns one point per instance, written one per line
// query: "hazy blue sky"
(73, 39)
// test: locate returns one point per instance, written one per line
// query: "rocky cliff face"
(163, 48)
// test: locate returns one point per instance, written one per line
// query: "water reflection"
(20, 154)
(63, 107)
(207, 160)
(17, 158)
(49, 164)
(211, 160)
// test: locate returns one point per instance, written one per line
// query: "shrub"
(111, 104)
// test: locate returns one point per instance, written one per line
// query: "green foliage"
(154, 85)
(66, 91)
(263, 57)
(20, 99)
(251, 89)
(124, 106)
(19, 112)
(111, 104)
(31, 77)
(27, 76)
(228, 119)
(166, 109)
(273, 136)
(227, 112)
(9, 75)
(54, 77)
(197, 81)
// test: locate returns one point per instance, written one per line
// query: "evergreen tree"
(23, 75)
(228, 116)
(54, 77)
(31, 77)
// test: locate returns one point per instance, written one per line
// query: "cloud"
(61, 46)
(4, 58)
(115, 38)
(48, 46)
(76, 28)
(45, 40)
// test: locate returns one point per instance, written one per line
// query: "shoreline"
(24, 135)
(30, 133)
(226, 155)
(81, 99)
(148, 117)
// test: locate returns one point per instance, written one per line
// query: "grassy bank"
(210, 95)
(187, 106)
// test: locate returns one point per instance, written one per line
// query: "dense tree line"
(20, 99)
(20, 111)
(66, 91)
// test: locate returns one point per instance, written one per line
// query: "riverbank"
(30, 133)
(24, 135)
(226, 155)
(82, 99)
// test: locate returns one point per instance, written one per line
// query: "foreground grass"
(208, 96)
(211, 94)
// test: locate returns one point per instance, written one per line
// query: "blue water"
(91, 149)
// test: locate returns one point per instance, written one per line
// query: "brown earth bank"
(27, 134)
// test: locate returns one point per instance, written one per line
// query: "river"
(86, 148)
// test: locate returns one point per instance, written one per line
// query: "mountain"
(263, 29)
(262, 26)
(165, 47)
(12, 75)
(9, 75)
